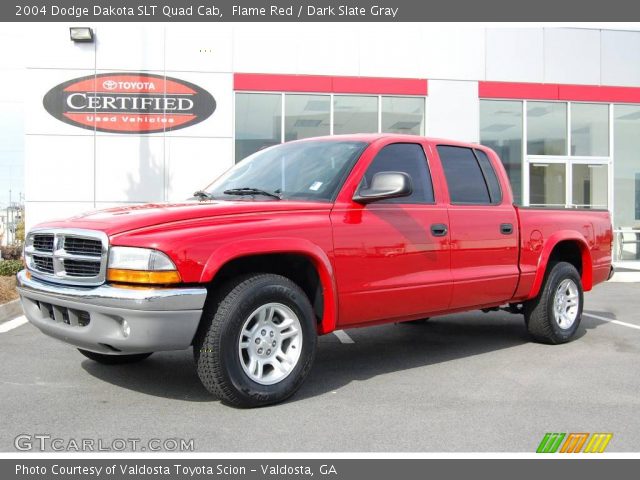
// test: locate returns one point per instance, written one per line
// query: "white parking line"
(343, 337)
(611, 320)
(11, 324)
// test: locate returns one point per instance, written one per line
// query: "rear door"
(391, 256)
(483, 226)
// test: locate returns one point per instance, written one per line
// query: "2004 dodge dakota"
(303, 238)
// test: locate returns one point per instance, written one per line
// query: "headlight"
(140, 265)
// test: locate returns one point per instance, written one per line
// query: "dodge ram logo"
(129, 103)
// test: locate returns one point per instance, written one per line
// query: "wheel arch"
(302, 261)
(568, 246)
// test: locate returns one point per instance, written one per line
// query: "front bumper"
(95, 318)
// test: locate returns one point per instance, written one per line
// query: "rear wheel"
(258, 342)
(114, 359)
(554, 315)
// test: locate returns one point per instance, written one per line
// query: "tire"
(562, 284)
(114, 359)
(234, 328)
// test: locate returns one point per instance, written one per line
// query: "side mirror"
(385, 185)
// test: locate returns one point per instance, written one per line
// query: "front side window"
(307, 170)
(408, 158)
(465, 180)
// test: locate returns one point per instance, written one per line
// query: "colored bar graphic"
(598, 442)
(550, 443)
(574, 443)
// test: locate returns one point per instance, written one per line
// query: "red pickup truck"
(304, 238)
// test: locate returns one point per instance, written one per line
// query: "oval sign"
(129, 103)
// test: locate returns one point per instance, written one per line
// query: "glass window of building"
(547, 184)
(306, 116)
(546, 128)
(403, 115)
(258, 122)
(590, 185)
(355, 114)
(501, 130)
(590, 129)
(626, 181)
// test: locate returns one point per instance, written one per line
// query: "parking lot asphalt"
(469, 382)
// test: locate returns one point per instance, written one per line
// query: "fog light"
(126, 329)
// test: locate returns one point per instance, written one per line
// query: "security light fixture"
(81, 34)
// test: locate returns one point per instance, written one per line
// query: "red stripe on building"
(556, 91)
(329, 84)
(533, 91)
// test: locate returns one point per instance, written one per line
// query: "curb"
(10, 309)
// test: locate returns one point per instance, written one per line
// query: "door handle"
(438, 229)
(506, 228)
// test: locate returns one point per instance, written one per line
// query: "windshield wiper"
(252, 191)
(202, 195)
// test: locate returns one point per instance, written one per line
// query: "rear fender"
(547, 249)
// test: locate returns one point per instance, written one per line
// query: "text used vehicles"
(304, 238)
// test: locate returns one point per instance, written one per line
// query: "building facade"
(561, 106)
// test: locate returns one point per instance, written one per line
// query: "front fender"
(244, 248)
(547, 249)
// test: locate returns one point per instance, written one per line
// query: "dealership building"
(561, 106)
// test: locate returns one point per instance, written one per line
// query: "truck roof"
(372, 137)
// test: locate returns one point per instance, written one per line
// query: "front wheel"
(258, 341)
(554, 315)
(114, 359)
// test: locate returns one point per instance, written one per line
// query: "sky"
(11, 113)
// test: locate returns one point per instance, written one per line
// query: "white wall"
(69, 169)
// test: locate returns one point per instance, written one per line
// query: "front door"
(392, 256)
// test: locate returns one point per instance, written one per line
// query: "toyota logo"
(109, 84)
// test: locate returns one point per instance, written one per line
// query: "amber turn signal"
(160, 277)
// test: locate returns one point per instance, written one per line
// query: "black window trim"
(498, 201)
(429, 172)
(483, 204)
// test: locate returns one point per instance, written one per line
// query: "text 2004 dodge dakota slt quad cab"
(303, 238)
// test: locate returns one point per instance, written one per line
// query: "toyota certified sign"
(129, 103)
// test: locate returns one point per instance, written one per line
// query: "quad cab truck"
(304, 238)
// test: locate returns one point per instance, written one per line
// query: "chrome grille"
(81, 268)
(43, 243)
(69, 256)
(44, 264)
(83, 246)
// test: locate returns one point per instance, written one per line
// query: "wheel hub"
(270, 343)
(566, 303)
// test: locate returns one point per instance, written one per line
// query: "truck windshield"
(308, 170)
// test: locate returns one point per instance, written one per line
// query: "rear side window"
(490, 176)
(465, 179)
(410, 159)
